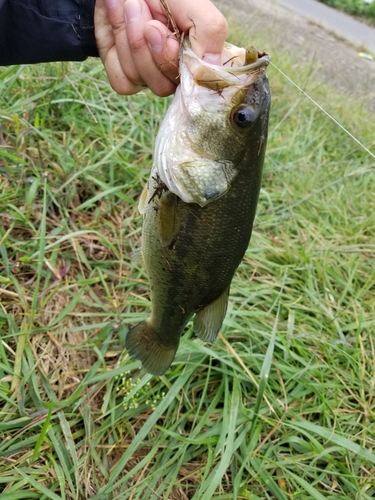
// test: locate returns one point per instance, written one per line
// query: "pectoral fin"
(203, 181)
(166, 218)
(137, 257)
(143, 199)
(208, 321)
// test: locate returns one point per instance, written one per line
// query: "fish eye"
(242, 116)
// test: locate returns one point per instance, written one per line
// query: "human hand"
(138, 48)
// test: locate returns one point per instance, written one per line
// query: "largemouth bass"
(199, 204)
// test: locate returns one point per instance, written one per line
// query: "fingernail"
(154, 39)
(212, 59)
(110, 4)
(133, 11)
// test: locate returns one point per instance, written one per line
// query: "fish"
(200, 201)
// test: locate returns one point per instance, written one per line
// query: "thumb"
(207, 40)
(210, 44)
(206, 25)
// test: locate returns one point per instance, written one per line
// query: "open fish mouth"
(237, 63)
(236, 59)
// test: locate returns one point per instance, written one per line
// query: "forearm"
(34, 31)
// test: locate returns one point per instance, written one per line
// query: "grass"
(281, 406)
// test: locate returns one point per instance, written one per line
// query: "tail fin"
(144, 343)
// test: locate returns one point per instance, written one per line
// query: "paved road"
(332, 20)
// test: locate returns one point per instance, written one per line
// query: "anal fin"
(208, 321)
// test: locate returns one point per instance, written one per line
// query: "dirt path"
(338, 61)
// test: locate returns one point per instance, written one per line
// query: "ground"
(335, 59)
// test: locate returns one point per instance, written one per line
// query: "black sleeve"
(34, 31)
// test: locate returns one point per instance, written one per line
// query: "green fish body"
(200, 201)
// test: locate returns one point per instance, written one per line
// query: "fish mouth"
(237, 60)
(239, 64)
(262, 61)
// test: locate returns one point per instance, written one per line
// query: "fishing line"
(324, 111)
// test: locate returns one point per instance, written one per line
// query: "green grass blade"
(43, 433)
(37, 486)
(264, 373)
(213, 481)
(334, 438)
